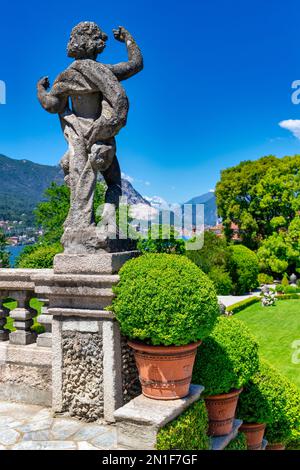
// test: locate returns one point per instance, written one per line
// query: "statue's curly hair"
(86, 40)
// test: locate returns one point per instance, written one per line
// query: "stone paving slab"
(30, 427)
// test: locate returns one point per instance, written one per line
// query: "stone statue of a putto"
(92, 106)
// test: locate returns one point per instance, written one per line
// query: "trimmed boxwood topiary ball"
(227, 359)
(165, 299)
(272, 399)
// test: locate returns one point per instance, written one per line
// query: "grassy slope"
(276, 328)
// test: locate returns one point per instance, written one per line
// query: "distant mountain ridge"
(23, 183)
(210, 207)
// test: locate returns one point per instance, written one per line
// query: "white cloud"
(211, 190)
(292, 125)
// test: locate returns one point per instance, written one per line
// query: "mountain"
(210, 207)
(208, 199)
(22, 185)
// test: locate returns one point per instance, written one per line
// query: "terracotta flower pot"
(165, 371)
(221, 412)
(277, 446)
(254, 435)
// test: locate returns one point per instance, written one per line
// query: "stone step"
(139, 421)
(220, 442)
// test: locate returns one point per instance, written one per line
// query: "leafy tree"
(161, 239)
(261, 197)
(281, 251)
(214, 253)
(4, 255)
(51, 214)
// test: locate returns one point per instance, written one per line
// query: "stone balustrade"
(18, 285)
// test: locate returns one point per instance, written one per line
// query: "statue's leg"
(112, 177)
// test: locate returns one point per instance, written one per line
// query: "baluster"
(23, 319)
(4, 312)
(44, 340)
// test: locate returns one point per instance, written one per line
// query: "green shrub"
(265, 278)
(239, 306)
(293, 445)
(287, 289)
(214, 253)
(285, 280)
(227, 358)
(270, 398)
(165, 300)
(243, 268)
(187, 432)
(288, 297)
(239, 443)
(221, 279)
(165, 242)
(38, 256)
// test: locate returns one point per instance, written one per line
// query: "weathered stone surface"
(45, 445)
(106, 440)
(25, 374)
(102, 263)
(8, 436)
(25, 384)
(89, 431)
(131, 385)
(139, 420)
(36, 425)
(62, 429)
(220, 442)
(82, 374)
(98, 112)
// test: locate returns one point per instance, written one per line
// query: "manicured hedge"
(288, 297)
(165, 299)
(239, 443)
(238, 306)
(187, 432)
(227, 358)
(243, 268)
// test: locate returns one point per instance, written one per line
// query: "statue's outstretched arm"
(125, 70)
(50, 102)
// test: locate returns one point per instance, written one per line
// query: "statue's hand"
(44, 83)
(121, 34)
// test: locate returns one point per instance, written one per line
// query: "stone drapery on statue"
(93, 107)
(91, 147)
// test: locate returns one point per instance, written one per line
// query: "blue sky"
(216, 84)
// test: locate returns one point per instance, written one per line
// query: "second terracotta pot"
(254, 434)
(165, 371)
(221, 412)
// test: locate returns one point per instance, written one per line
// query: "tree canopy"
(263, 198)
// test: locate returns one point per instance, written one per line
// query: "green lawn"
(276, 328)
(34, 303)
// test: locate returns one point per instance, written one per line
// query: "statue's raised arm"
(125, 70)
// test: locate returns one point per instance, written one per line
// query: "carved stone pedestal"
(89, 356)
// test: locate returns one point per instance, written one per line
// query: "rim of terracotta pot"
(140, 346)
(253, 426)
(231, 394)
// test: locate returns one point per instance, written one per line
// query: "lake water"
(14, 251)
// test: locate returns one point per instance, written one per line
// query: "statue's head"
(87, 40)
